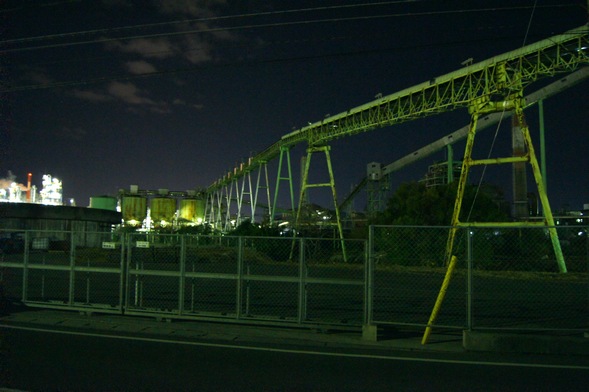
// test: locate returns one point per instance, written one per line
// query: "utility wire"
(25, 6)
(530, 23)
(235, 28)
(196, 68)
(207, 19)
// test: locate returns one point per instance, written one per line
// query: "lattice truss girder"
(494, 79)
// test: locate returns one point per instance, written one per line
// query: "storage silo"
(163, 210)
(191, 211)
(187, 211)
(134, 209)
(103, 203)
(200, 210)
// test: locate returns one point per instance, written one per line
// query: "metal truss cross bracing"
(481, 86)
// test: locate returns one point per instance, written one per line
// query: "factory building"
(42, 213)
(54, 223)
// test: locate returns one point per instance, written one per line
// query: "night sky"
(173, 94)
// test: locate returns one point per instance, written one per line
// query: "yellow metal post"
(466, 163)
(439, 300)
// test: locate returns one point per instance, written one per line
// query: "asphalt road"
(51, 361)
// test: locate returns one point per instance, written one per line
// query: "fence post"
(72, 269)
(302, 282)
(239, 283)
(129, 260)
(123, 282)
(369, 331)
(182, 281)
(25, 272)
(469, 293)
(587, 268)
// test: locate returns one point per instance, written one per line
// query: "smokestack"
(29, 177)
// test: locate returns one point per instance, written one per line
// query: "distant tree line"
(415, 204)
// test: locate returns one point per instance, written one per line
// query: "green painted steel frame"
(517, 105)
(284, 151)
(331, 184)
(477, 85)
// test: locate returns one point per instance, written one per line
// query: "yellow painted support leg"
(549, 218)
(462, 182)
(439, 300)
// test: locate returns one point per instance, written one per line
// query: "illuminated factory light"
(14, 192)
(51, 194)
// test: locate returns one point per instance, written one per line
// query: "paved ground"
(261, 359)
(452, 341)
(225, 332)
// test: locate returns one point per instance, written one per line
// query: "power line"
(125, 77)
(249, 26)
(207, 19)
(25, 6)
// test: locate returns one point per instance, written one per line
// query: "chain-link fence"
(409, 268)
(62, 269)
(12, 259)
(247, 278)
(506, 277)
(516, 283)
(98, 270)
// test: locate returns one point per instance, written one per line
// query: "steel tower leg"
(521, 209)
(450, 164)
(548, 217)
(283, 151)
(530, 157)
(240, 190)
(477, 109)
(228, 198)
(215, 209)
(305, 185)
(542, 143)
(462, 182)
(251, 197)
(263, 169)
(209, 208)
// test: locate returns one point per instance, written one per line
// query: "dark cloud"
(74, 134)
(140, 67)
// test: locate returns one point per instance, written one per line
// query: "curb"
(525, 344)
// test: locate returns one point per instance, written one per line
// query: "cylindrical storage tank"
(187, 211)
(162, 210)
(200, 209)
(104, 203)
(134, 209)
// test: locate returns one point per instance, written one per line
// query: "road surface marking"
(292, 351)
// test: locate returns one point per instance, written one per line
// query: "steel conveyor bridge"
(534, 98)
(486, 87)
